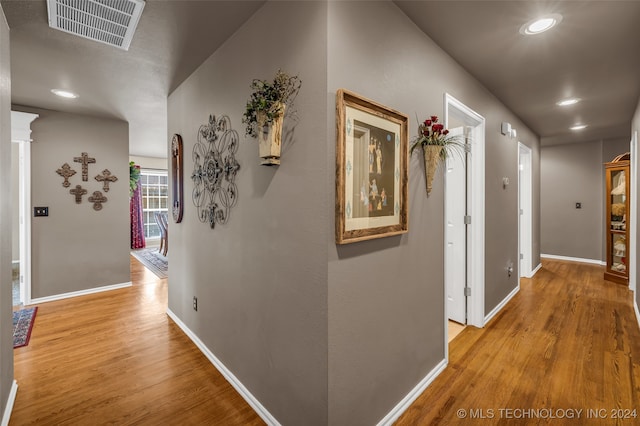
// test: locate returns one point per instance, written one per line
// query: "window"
(154, 191)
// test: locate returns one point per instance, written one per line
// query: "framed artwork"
(371, 169)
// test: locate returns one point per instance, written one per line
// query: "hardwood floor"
(116, 358)
(567, 341)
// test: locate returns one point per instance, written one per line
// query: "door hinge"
(521, 256)
(521, 211)
(467, 220)
(467, 291)
(467, 147)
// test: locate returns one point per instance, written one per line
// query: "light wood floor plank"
(567, 340)
(116, 358)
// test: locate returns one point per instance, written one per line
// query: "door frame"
(633, 227)
(475, 208)
(525, 211)
(21, 134)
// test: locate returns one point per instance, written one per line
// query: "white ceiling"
(593, 54)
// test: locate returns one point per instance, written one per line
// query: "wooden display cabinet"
(616, 225)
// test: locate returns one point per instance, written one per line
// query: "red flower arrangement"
(430, 132)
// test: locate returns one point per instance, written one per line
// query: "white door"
(455, 274)
(525, 206)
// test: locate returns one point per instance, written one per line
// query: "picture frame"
(371, 169)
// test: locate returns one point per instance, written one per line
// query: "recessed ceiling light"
(64, 93)
(540, 25)
(567, 102)
(579, 127)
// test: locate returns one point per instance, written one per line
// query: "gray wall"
(386, 296)
(261, 279)
(575, 173)
(77, 248)
(322, 334)
(6, 326)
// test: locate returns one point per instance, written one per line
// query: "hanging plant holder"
(270, 138)
(265, 110)
(431, 159)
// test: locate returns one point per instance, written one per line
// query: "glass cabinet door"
(618, 221)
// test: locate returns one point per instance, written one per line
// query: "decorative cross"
(97, 199)
(105, 178)
(79, 191)
(66, 172)
(84, 159)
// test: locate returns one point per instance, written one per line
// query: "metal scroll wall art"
(214, 171)
(106, 178)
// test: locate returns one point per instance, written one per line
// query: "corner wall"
(261, 278)
(6, 326)
(77, 248)
(386, 296)
(575, 173)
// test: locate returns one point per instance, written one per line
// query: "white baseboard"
(77, 293)
(635, 307)
(402, 406)
(231, 378)
(573, 259)
(535, 270)
(10, 400)
(501, 305)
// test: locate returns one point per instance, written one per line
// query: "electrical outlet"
(195, 303)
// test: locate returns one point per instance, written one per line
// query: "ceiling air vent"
(112, 22)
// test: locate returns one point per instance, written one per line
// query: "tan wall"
(6, 326)
(150, 162)
(77, 248)
(635, 130)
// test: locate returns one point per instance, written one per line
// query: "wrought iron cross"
(97, 199)
(66, 172)
(106, 177)
(79, 191)
(84, 159)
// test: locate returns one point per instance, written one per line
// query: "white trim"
(6, 416)
(476, 189)
(24, 213)
(573, 259)
(525, 204)
(402, 406)
(501, 305)
(635, 308)
(537, 268)
(231, 378)
(78, 293)
(633, 223)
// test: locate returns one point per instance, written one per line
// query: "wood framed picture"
(371, 169)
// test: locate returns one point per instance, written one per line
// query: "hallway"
(567, 341)
(117, 358)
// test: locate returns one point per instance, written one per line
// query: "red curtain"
(137, 224)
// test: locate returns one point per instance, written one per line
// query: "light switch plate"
(40, 211)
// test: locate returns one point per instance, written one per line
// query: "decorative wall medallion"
(79, 191)
(66, 172)
(97, 199)
(177, 178)
(106, 177)
(85, 160)
(214, 171)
